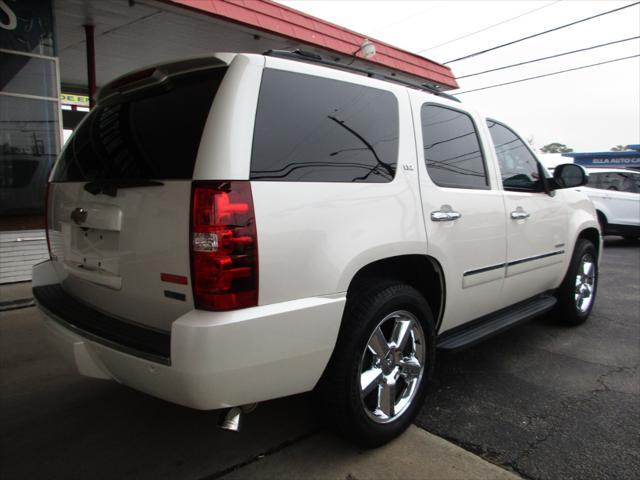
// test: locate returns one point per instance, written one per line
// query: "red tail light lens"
(224, 246)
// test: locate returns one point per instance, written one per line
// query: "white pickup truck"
(237, 228)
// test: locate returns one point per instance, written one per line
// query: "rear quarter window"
(313, 129)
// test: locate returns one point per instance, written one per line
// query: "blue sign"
(628, 158)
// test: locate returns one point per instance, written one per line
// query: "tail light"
(224, 246)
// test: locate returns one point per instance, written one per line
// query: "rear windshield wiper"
(110, 187)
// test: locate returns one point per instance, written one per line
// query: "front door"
(536, 220)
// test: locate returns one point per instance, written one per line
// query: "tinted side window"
(595, 180)
(451, 148)
(623, 182)
(311, 129)
(635, 182)
(518, 167)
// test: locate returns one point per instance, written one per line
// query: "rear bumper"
(217, 359)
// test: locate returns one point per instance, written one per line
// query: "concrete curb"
(416, 454)
(15, 295)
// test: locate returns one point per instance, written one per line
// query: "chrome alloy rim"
(391, 367)
(585, 283)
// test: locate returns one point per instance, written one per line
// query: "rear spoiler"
(157, 75)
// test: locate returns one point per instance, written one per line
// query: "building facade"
(53, 49)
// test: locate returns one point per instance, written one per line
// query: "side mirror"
(569, 175)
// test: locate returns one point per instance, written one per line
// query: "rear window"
(154, 135)
(312, 129)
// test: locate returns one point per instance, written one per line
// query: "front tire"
(577, 293)
(375, 382)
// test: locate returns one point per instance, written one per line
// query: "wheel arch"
(593, 235)
(422, 272)
(583, 223)
(602, 218)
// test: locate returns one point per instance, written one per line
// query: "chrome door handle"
(519, 215)
(441, 216)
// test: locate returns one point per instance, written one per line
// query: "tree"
(556, 147)
(618, 148)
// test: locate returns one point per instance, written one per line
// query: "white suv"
(615, 193)
(238, 228)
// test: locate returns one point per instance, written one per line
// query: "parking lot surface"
(550, 401)
(55, 424)
(543, 400)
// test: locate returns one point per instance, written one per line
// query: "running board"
(493, 324)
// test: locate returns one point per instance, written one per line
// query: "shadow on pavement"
(57, 424)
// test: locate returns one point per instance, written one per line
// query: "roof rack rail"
(304, 55)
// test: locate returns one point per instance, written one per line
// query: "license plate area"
(94, 249)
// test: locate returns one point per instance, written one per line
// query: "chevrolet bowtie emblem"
(79, 215)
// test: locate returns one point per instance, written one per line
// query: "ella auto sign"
(612, 161)
(628, 158)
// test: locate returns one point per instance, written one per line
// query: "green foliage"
(556, 147)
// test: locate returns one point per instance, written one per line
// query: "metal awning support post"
(91, 63)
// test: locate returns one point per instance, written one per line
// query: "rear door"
(536, 221)
(463, 210)
(119, 198)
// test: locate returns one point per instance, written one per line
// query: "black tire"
(339, 391)
(568, 311)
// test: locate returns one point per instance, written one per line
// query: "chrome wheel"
(392, 366)
(585, 283)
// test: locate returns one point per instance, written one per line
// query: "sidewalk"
(415, 455)
(15, 295)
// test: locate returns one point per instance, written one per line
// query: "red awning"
(279, 20)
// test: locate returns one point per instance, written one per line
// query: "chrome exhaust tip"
(231, 419)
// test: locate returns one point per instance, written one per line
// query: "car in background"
(615, 193)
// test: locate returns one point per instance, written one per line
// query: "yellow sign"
(71, 99)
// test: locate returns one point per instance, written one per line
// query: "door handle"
(519, 214)
(442, 216)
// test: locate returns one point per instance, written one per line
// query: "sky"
(588, 110)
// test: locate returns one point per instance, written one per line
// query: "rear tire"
(577, 293)
(375, 382)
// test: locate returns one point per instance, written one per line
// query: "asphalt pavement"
(543, 401)
(550, 401)
(55, 424)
